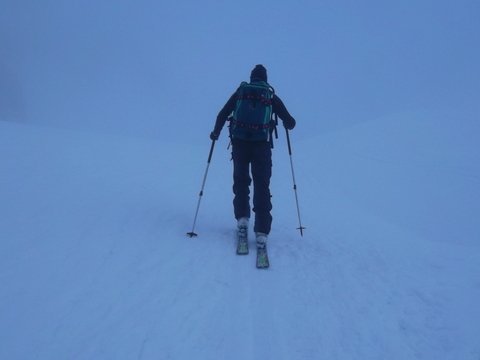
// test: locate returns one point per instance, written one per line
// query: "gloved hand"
(213, 136)
(289, 124)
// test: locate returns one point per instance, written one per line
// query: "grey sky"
(141, 66)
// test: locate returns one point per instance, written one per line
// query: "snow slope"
(95, 264)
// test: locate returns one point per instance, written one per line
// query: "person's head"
(259, 73)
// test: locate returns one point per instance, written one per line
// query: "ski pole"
(301, 228)
(192, 233)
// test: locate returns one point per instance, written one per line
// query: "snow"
(95, 262)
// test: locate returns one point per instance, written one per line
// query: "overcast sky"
(144, 67)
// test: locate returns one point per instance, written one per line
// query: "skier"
(251, 150)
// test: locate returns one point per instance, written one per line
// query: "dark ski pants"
(257, 157)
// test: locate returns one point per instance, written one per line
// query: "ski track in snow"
(95, 264)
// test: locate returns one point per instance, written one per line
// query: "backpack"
(252, 117)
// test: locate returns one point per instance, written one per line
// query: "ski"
(262, 258)
(242, 236)
(242, 246)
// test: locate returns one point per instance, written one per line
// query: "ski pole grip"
(288, 142)
(211, 151)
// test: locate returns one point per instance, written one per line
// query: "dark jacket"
(277, 106)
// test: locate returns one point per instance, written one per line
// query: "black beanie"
(259, 73)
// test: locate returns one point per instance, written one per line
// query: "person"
(255, 154)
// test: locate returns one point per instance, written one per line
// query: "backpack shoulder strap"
(242, 84)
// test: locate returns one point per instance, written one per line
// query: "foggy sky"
(148, 67)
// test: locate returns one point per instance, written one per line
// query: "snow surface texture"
(95, 263)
